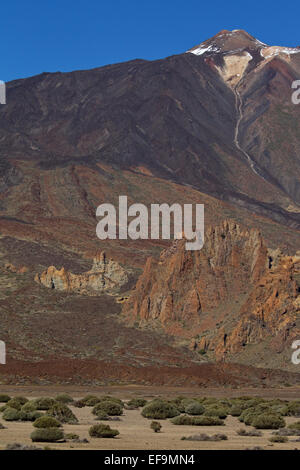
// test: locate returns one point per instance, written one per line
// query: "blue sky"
(48, 36)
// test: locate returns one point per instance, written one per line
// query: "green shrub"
(280, 439)
(47, 435)
(268, 421)
(251, 433)
(208, 421)
(71, 436)
(210, 401)
(248, 416)
(44, 403)
(102, 416)
(219, 412)
(194, 408)
(22, 400)
(92, 401)
(185, 420)
(62, 413)
(46, 422)
(29, 406)
(29, 415)
(103, 430)
(295, 426)
(88, 398)
(205, 437)
(109, 407)
(113, 399)
(181, 406)
(293, 408)
(64, 398)
(137, 402)
(159, 409)
(4, 398)
(14, 403)
(235, 411)
(11, 414)
(155, 426)
(79, 404)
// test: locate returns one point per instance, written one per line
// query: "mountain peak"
(228, 42)
(234, 42)
(235, 50)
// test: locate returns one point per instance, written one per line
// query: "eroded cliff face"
(105, 275)
(233, 293)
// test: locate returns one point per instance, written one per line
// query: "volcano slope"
(214, 125)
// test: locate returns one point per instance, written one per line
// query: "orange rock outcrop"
(105, 275)
(234, 292)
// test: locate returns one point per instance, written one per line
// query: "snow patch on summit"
(272, 51)
(202, 49)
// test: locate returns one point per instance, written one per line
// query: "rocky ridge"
(105, 275)
(233, 293)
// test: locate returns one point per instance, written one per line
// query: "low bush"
(11, 414)
(4, 398)
(185, 420)
(194, 408)
(159, 409)
(280, 439)
(29, 407)
(29, 415)
(103, 430)
(112, 399)
(62, 413)
(295, 426)
(249, 415)
(268, 421)
(14, 403)
(235, 411)
(136, 403)
(109, 407)
(251, 433)
(155, 426)
(102, 416)
(72, 437)
(286, 432)
(219, 412)
(44, 403)
(205, 437)
(293, 409)
(47, 435)
(79, 404)
(64, 398)
(92, 401)
(22, 400)
(46, 422)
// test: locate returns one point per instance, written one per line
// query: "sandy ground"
(135, 432)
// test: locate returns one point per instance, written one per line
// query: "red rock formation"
(232, 293)
(105, 276)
